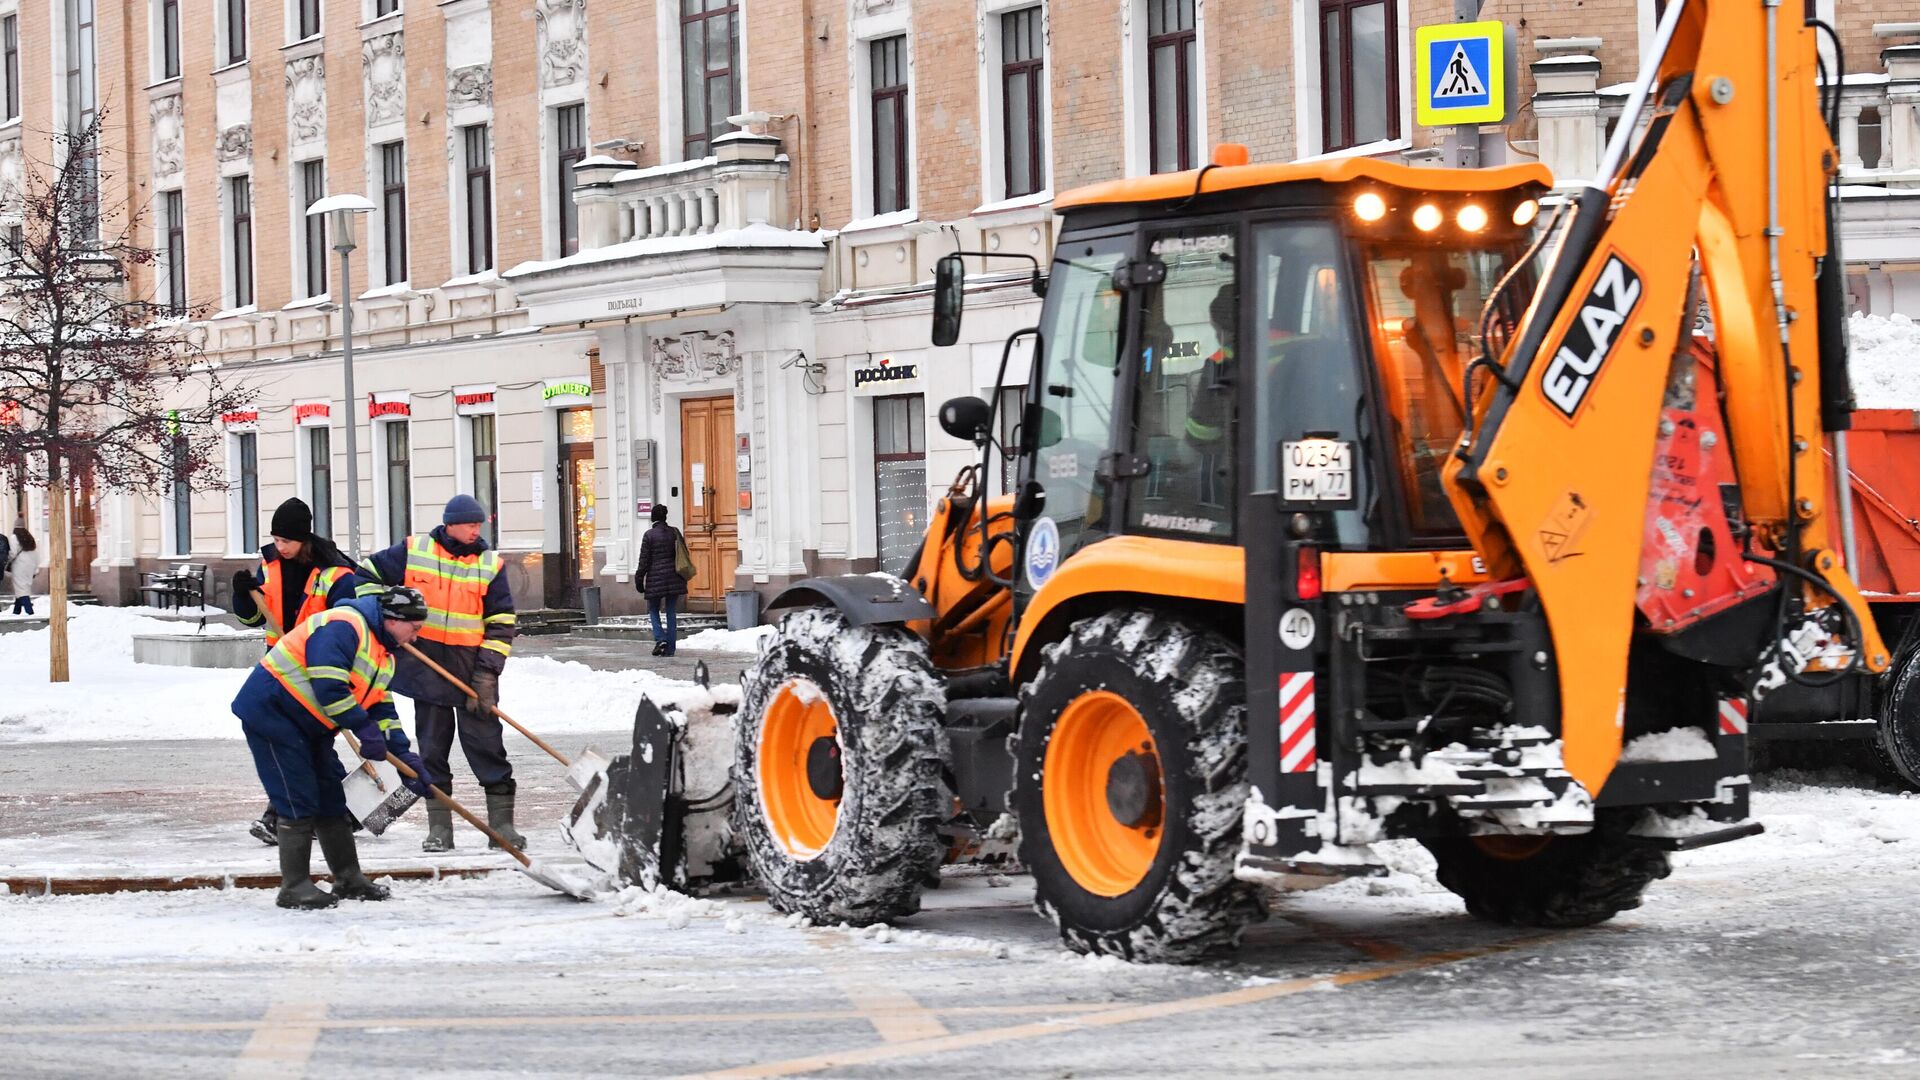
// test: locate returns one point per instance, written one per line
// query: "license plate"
(1316, 470)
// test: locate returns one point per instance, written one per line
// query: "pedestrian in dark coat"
(658, 576)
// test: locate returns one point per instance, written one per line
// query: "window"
(1012, 404)
(887, 59)
(313, 188)
(236, 30)
(1184, 421)
(1069, 423)
(240, 207)
(320, 478)
(167, 37)
(16, 238)
(486, 472)
(399, 481)
(1023, 81)
(709, 61)
(570, 137)
(393, 209)
(385, 7)
(1171, 78)
(900, 477)
(1359, 75)
(247, 491)
(173, 214)
(182, 499)
(10, 46)
(82, 100)
(479, 160)
(307, 18)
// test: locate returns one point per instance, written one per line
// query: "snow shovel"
(581, 771)
(571, 876)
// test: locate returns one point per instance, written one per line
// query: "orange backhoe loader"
(1356, 502)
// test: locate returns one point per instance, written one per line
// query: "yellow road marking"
(893, 1012)
(1131, 1014)
(282, 1042)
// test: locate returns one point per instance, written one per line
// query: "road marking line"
(1373, 947)
(1131, 1014)
(894, 1013)
(283, 1041)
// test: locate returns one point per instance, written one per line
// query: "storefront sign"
(241, 419)
(566, 389)
(377, 409)
(463, 400)
(311, 410)
(883, 375)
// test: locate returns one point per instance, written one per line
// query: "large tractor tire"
(1899, 740)
(838, 756)
(1130, 784)
(1547, 881)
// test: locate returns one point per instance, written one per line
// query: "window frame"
(173, 214)
(914, 406)
(569, 121)
(244, 503)
(1344, 70)
(894, 97)
(179, 502)
(696, 141)
(1033, 71)
(384, 478)
(393, 211)
(236, 22)
(10, 66)
(479, 197)
(240, 239)
(488, 493)
(384, 8)
(166, 40)
(303, 11)
(313, 229)
(1184, 39)
(317, 475)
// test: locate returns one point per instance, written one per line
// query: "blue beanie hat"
(464, 510)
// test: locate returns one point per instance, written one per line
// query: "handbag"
(682, 558)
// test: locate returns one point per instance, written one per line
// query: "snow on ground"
(732, 641)
(1885, 361)
(111, 697)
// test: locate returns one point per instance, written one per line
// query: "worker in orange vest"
(301, 574)
(469, 631)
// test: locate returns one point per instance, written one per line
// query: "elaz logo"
(1589, 341)
(888, 371)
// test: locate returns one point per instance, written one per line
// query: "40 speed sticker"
(1043, 551)
(1296, 628)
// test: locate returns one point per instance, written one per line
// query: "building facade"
(678, 251)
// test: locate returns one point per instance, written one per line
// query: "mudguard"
(866, 600)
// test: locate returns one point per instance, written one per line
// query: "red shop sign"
(377, 409)
(485, 398)
(311, 410)
(251, 416)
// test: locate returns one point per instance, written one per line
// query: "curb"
(98, 886)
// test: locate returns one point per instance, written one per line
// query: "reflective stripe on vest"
(367, 682)
(313, 596)
(455, 587)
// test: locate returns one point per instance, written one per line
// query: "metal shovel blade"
(624, 823)
(570, 875)
(586, 765)
(377, 804)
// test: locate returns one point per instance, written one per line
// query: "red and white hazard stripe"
(1296, 722)
(1733, 716)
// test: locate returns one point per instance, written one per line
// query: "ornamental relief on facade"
(307, 99)
(12, 173)
(470, 86)
(563, 41)
(692, 358)
(386, 65)
(165, 122)
(234, 144)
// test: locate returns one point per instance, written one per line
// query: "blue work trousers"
(297, 765)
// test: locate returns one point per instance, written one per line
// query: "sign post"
(1460, 79)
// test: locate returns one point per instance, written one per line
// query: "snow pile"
(1885, 360)
(1679, 744)
(732, 641)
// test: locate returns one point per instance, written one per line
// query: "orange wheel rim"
(801, 818)
(1511, 848)
(1099, 741)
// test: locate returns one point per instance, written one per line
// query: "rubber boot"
(297, 889)
(439, 829)
(262, 830)
(343, 858)
(500, 815)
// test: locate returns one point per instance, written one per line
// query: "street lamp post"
(340, 211)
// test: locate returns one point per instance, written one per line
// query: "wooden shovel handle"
(464, 812)
(495, 709)
(260, 605)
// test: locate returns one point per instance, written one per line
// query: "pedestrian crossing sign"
(1459, 72)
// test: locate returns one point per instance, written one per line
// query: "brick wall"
(272, 238)
(517, 117)
(946, 110)
(201, 185)
(1249, 70)
(1089, 137)
(429, 176)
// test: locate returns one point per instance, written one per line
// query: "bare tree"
(95, 374)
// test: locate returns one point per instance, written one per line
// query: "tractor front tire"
(1556, 882)
(1130, 786)
(838, 757)
(1899, 731)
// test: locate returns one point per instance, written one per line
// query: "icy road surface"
(1796, 953)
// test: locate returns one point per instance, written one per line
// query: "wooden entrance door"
(709, 510)
(84, 533)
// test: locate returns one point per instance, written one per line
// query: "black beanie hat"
(659, 513)
(293, 521)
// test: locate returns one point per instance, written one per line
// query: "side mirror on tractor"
(966, 418)
(949, 296)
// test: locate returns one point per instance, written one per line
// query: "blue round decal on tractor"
(1043, 551)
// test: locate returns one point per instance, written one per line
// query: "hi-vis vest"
(455, 587)
(367, 682)
(313, 597)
